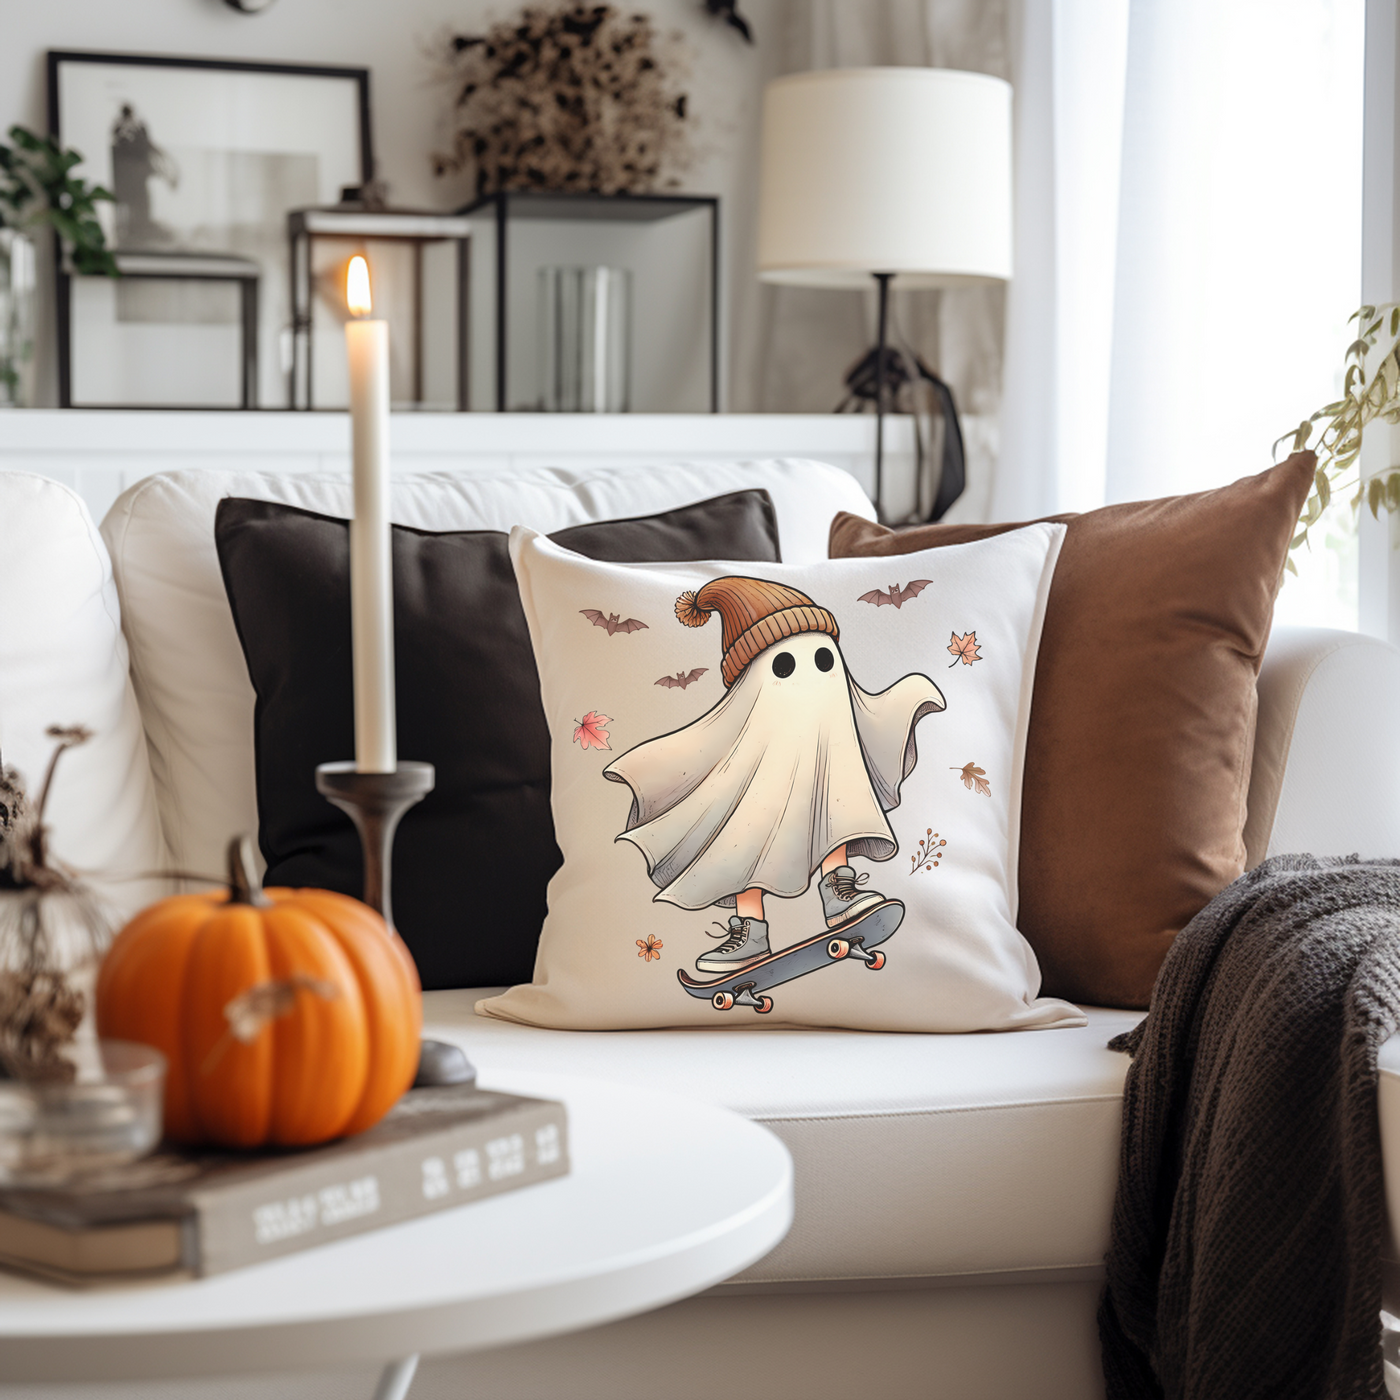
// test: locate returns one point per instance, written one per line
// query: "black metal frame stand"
(883, 279)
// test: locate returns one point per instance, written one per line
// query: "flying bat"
(609, 620)
(897, 595)
(682, 678)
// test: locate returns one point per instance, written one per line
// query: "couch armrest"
(1388, 1103)
(1326, 775)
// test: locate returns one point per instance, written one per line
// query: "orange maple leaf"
(973, 776)
(964, 649)
(592, 731)
(650, 949)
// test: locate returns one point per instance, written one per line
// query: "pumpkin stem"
(244, 886)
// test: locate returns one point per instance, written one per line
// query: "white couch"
(953, 1192)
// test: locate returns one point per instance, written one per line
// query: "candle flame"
(357, 287)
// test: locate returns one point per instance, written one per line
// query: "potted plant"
(38, 187)
(1370, 391)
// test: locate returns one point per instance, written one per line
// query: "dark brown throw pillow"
(1142, 723)
(472, 860)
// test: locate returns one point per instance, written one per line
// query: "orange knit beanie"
(755, 614)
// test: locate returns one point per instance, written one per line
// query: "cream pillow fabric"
(789, 790)
(63, 660)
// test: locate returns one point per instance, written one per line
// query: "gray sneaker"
(842, 898)
(745, 941)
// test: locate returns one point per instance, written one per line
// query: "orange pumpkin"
(288, 1017)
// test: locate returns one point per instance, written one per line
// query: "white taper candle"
(371, 560)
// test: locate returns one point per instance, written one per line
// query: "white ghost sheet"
(785, 769)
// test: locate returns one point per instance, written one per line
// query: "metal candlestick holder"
(376, 802)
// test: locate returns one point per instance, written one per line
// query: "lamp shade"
(900, 170)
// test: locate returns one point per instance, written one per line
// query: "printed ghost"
(791, 772)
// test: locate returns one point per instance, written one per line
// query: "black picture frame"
(56, 61)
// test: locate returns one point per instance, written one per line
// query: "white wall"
(393, 39)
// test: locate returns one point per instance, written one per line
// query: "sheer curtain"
(1188, 250)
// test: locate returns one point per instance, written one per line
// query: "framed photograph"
(205, 158)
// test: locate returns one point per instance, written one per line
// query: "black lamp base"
(376, 802)
(878, 377)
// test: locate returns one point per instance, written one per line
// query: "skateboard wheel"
(877, 960)
(838, 948)
(722, 1001)
(765, 1005)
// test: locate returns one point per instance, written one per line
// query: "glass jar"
(586, 339)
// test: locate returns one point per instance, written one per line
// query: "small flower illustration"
(929, 853)
(651, 948)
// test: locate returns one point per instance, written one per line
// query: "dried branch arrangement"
(51, 926)
(582, 98)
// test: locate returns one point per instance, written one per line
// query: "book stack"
(202, 1213)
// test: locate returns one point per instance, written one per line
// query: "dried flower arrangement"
(52, 927)
(581, 98)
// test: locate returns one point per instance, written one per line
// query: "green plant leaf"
(36, 186)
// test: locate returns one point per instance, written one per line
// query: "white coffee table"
(666, 1197)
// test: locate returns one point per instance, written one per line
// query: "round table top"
(665, 1198)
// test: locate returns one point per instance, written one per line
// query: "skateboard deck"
(746, 985)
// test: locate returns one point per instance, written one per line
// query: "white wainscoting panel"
(100, 453)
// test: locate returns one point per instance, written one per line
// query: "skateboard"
(745, 987)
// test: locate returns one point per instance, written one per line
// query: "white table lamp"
(885, 172)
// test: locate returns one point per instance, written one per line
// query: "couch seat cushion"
(917, 1156)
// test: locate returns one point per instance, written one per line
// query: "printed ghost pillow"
(787, 795)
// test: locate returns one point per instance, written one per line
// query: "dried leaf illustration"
(592, 731)
(973, 776)
(965, 649)
(651, 948)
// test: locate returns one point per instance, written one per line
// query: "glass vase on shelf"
(585, 339)
(18, 292)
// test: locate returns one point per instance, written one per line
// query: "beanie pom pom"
(689, 613)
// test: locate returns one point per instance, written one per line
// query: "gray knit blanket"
(1244, 1259)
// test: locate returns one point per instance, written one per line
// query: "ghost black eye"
(784, 664)
(824, 659)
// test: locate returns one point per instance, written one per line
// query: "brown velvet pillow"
(1142, 725)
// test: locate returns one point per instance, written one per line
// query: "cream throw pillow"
(787, 795)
